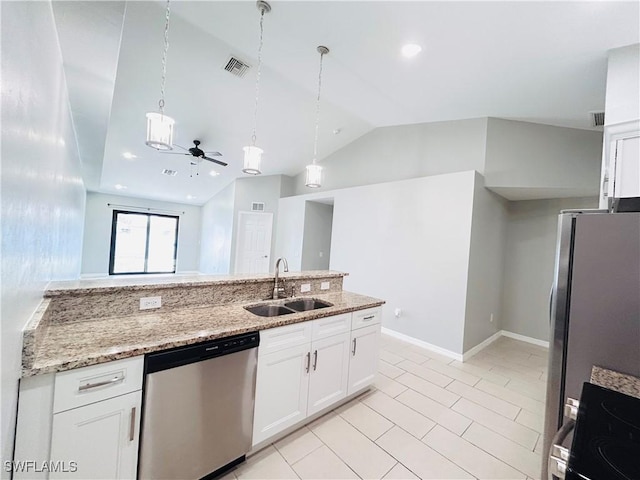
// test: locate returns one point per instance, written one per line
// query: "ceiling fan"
(197, 152)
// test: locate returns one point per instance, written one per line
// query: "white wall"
(623, 81)
(486, 265)
(529, 263)
(406, 151)
(527, 160)
(316, 244)
(43, 197)
(97, 232)
(406, 242)
(217, 229)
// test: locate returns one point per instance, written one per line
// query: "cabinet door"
(627, 167)
(329, 371)
(101, 438)
(282, 384)
(364, 357)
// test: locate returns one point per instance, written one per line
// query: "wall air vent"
(171, 173)
(236, 66)
(257, 206)
(597, 119)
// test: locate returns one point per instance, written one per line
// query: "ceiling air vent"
(597, 119)
(171, 173)
(257, 207)
(236, 66)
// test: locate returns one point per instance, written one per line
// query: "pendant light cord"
(315, 141)
(164, 57)
(255, 107)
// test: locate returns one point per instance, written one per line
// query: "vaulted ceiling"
(542, 62)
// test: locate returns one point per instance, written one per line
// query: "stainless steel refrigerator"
(595, 310)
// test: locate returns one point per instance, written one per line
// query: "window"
(143, 243)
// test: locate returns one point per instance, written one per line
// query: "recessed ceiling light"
(191, 197)
(411, 50)
(119, 187)
(129, 155)
(213, 173)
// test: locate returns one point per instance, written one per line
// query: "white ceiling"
(542, 62)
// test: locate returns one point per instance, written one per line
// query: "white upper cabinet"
(621, 164)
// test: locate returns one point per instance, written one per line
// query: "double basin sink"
(287, 307)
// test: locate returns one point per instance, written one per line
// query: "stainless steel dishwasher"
(197, 417)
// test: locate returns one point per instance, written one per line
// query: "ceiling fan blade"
(219, 162)
(213, 154)
(174, 153)
(180, 146)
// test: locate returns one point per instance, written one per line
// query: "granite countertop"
(69, 345)
(142, 282)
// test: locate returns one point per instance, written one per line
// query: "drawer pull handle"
(370, 317)
(354, 347)
(89, 386)
(308, 361)
(132, 424)
(315, 360)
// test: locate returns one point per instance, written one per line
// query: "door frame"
(242, 215)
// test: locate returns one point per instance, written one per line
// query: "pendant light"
(159, 125)
(314, 171)
(253, 154)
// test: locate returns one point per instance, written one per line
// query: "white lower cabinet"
(101, 439)
(329, 372)
(301, 379)
(363, 363)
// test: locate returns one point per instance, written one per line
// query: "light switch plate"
(147, 303)
(325, 286)
(305, 287)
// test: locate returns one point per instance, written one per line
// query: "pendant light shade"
(253, 154)
(252, 160)
(314, 176)
(159, 125)
(159, 131)
(314, 172)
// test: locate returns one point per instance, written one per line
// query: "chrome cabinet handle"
(353, 351)
(132, 424)
(368, 318)
(315, 360)
(308, 361)
(89, 386)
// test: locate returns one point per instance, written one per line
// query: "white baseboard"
(481, 346)
(469, 353)
(420, 343)
(524, 338)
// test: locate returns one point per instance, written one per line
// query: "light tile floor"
(427, 417)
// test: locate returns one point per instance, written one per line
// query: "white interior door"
(253, 246)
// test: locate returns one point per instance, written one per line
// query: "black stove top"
(606, 442)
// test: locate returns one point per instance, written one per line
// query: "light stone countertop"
(69, 345)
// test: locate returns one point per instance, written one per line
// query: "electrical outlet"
(325, 286)
(305, 287)
(147, 303)
(397, 312)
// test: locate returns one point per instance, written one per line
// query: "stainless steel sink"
(304, 304)
(269, 310)
(292, 306)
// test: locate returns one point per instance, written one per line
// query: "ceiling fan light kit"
(160, 127)
(253, 154)
(314, 171)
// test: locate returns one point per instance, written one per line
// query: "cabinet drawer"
(364, 318)
(86, 385)
(279, 338)
(328, 326)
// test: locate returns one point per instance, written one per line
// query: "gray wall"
(43, 196)
(316, 243)
(529, 263)
(528, 160)
(406, 151)
(486, 265)
(217, 229)
(97, 232)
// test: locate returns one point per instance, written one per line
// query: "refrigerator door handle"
(551, 305)
(557, 465)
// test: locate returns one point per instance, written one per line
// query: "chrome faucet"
(278, 290)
